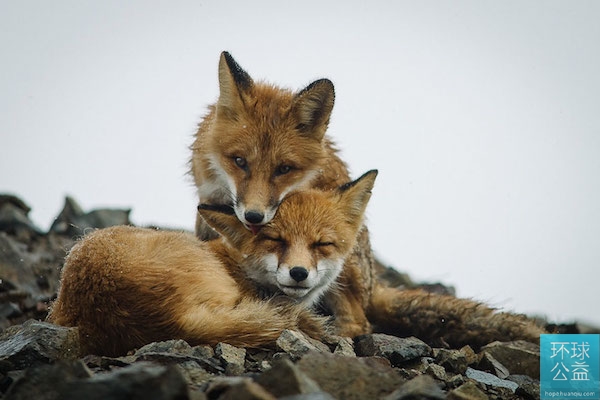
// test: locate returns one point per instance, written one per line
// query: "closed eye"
(275, 239)
(323, 244)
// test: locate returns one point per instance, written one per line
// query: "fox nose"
(299, 273)
(254, 217)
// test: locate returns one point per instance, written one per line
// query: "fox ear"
(355, 195)
(312, 108)
(223, 220)
(233, 83)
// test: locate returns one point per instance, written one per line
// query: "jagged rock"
(452, 360)
(349, 377)
(37, 342)
(470, 355)
(232, 358)
(519, 357)
(14, 218)
(467, 391)
(236, 388)
(397, 350)
(490, 364)
(437, 371)
(286, 379)
(142, 380)
(73, 221)
(177, 352)
(489, 379)
(296, 344)
(420, 387)
(344, 347)
(48, 382)
(529, 388)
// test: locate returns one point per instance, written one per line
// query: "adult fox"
(260, 142)
(125, 287)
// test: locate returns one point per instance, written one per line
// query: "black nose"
(254, 217)
(299, 273)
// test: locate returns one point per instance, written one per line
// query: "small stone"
(467, 391)
(529, 388)
(490, 380)
(286, 379)
(351, 378)
(345, 347)
(141, 380)
(233, 358)
(519, 357)
(397, 350)
(490, 364)
(420, 387)
(37, 342)
(452, 360)
(296, 344)
(470, 355)
(436, 371)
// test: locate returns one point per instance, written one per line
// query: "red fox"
(125, 287)
(260, 142)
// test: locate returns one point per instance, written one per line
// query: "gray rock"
(490, 364)
(286, 379)
(14, 218)
(296, 344)
(48, 382)
(232, 358)
(420, 387)
(176, 352)
(467, 391)
(350, 377)
(37, 342)
(397, 350)
(73, 221)
(489, 379)
(142, 380)
(529, 388)
(452, 360)
(519, 357)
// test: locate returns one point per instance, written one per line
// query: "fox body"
(125, 287)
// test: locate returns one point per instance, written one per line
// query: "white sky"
(482, 117)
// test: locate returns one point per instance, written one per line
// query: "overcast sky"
(482, 117)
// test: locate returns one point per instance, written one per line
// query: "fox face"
(259, 143)
(301, 251)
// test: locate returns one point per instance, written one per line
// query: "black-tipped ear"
(355, 195)
(233, 83)
(223, 220)
(312, 108)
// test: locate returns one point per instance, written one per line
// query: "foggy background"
(482, 117)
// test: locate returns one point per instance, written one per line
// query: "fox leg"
(250, 323)
(446, 319)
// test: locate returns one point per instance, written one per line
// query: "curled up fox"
(289, 248)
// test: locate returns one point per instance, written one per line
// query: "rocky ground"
(39, 360)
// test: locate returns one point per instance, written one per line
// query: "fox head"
(265, 141)
(301, 251)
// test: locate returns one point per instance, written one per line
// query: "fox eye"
(323, 244)
(240, 162)
(283, 169)
(275, 239)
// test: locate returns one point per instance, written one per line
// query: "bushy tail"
(251, 323)
(442, 319)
